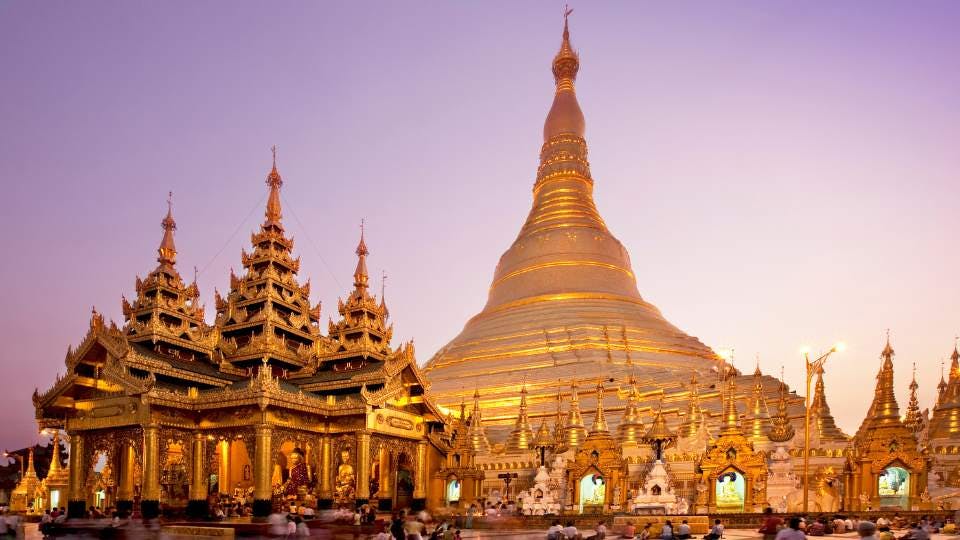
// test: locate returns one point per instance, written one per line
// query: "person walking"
(771, 524)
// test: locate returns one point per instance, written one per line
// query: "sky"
(783, 173)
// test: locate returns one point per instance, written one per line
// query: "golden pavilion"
(260, 406)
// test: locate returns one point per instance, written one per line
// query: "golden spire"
(55, 454)
(913, 418)
(694, 417)
(360, 277)
(757, 408)
(599, 421)
(273, 212)
(544, 439)
(31, 470)
(781, 430)
(565, 116)
(475, 433)
(521, 438)
(822, 418)
(731, 417)
(945, 421)
(884, 410)
(630, 430)
(574, 431)
(167, 252)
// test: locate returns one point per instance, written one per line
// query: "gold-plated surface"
(560, 290)
(945, 422)
(521, 437)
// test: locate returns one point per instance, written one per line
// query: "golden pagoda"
(565, 277)
(945, 421)
(758, 417)
(781, 430)
(521, 438)
(913, 418)
(821, 420)
(886, 464)
(478, 437)
(574, 431)
(54, 485)
(630, 430)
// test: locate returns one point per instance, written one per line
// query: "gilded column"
(223, 455)
(76, 502)
(262, 494)
(326, 491)
(125, 484)
(197, 505)
(363, 467)
(420, 483)
(150, 498)
(385, 492)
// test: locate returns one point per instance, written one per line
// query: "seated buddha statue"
(346, 481)
(298, 477)
(727, 494)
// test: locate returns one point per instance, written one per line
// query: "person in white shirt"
(883, 524)
(792, 532)
(553, 533)
(683, 531)
(570, 531)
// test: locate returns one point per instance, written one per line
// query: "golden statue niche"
(346, 485)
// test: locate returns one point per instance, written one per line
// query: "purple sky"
(783, 173)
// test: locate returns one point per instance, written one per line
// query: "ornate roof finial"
(475, 432)
(360, 277)
(167, 252)
(565, 116)
(573, 429)
(274, 213)
(521, 437)
(599, 420)
(731, 416)
(781, 430)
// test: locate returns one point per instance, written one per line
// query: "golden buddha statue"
(298, 477)
(346, 481)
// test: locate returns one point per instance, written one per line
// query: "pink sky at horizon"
(783, 174)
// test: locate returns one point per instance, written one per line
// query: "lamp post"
(813, 368)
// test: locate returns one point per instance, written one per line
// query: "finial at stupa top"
(565, 116)
(274, 213)
(360, 276)
(167, 252)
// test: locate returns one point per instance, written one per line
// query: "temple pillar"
(363, 467)
(150, 497)
(326, 491)
(420, 481)
(262, 470)
(385, 493)
(197, 505)
(127, 463)
(76, 501)
(223, 459)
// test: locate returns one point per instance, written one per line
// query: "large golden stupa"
(564, 303)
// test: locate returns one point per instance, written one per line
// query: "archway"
(403, 486)
(893, 486)
(593, 492)
(452, 492)
(730, 491)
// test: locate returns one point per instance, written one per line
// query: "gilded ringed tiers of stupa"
(564, 302)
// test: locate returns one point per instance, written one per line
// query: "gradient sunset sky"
(782, 173)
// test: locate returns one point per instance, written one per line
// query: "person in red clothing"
(771, 524)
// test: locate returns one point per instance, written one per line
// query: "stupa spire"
(913, 418)
(821, 417)
(521, 437)
(574, 431)
(274, 212)
(731, 416)
(945, 421)
(694, 417)
(167, 252)
(599, 420)
(781, 430)
(659, 435)
(361, 278)
(759, 416)
(630, 430)
(884, 409)
(475, 432)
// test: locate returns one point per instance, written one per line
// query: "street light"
(813, 368)
(19, 458)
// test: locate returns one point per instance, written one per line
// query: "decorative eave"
(159, 367)
(110, 338)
